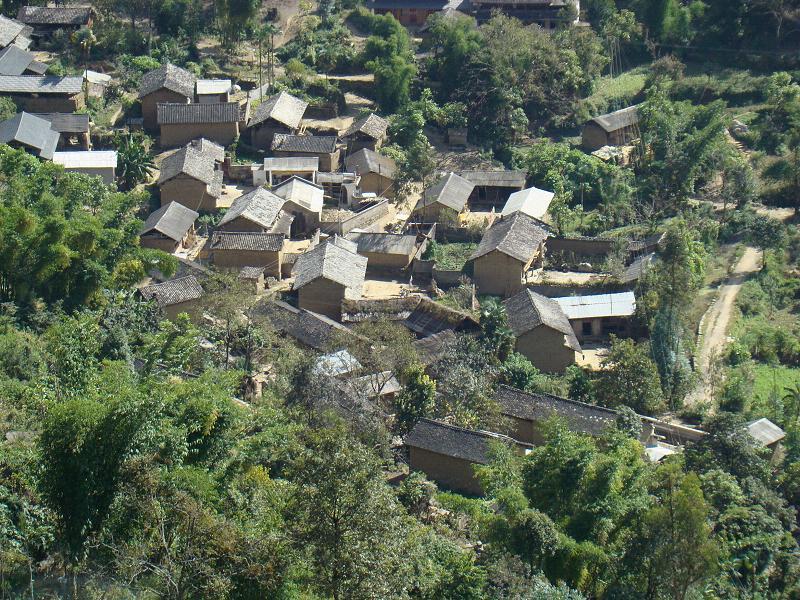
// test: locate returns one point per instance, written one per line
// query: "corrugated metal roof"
(297, 164)
(213, 86)
(172, 220)
(283, 108)
(35, 84)
(336, 363)
(765, 432)
(618, 119)
(532, 201)
(87, 159)
(197, 114)
(622, 304)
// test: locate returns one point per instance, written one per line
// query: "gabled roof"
(531, 201)
(765, 432)
(331, 261)
(86, 159)
(297, 164)
(214, 150)
(36, 84)
(15, 60)
(188, 161)
(449, 440)
(451, 191)
(283, 108)
(336, 363)
(30, 131)
(260, 206)
(213, 86)
(309, 328)
(384, 243)
(198, 114)
(618, 119)
(169, 77)
(621, 304)
(434, 348)
(368, 161)
(580, 417)
(418, 313)
(236, 240)
(66, 122)
(528, 310)
(172, 220)
(511, 179)
(518, 236)
(635, 270)
(371, 125)
(55, 15)
(11, 30)
(307, 144)
(301, 192)
(173, 291)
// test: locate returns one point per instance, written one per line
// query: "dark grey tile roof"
(331, 261)
(368, 161)
(449, 440)
(517, 235)
(251, 272)
(309, 328)
(170, 77)
(451, 191)
(510, 179)
(260, 206)
(235, 240)
(216, 151)
(528, 310)
(66, 122)
(384, 243)
(14, 60)
(197, 114)
(10, 29)
(435, 347)
(429, 317)
(618, 119)
(190, 162)
(172, 220)
(174, 291)
(307, 144)
(30, 131)
(580, 417)
(418, 313)
(283, 108)
(370, 124)
(635, 270)
(36, 84)
(55, 15)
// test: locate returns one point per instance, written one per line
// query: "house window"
(586, 328)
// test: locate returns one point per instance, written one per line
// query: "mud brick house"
(16, 61)
(72, 128)
(445, 201)
(208, 147)
(327, 275)
(304, 201)
(368, 131)
(167, 84)
(508, 249)
(213, 90)
(259, 211)
(45, 20)
(448, 454)
(235, 249)
(614, 129)
(386, 251)
(596, 317)
(182, 123)
(377, 172)
(548, 14)
(45, 93)
(14, 32)
(31, 133)
(411, 13)
(281, 113)
(95, 163)
(323, 147)
(175, 296)
(492, 188)
(543, 334)
(531, 201)
(190, 177)
(169, 228)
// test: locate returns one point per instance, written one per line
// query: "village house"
(323, 147)
(210, 148)
(260, 211)
(45, 93)
(330, 273)
(32, 134)
(543, 334)
(368, 131)
(190, 177)
(254, 278)
(507, 251)
(16, 61)
(303, 200)
(595, 318)
(45, 20)
(531, 201)
(448, 454)
(14, 32)
(73, 129)
(175, 296)
(281, 113)
(213, 90)
(445, 201)
(337, 364)
(96, 83)
(311, 330)
(614, 129)
(276, 170)
(339, 188)
(181, 123)
(430, 350)
(376, 172)
(547, 14)
(95, 163)
(170, 228)
(386, 251)
(492, 188)
(527, 412)
(766, 434)
(167, 84)
(411, 13)
(237, 249)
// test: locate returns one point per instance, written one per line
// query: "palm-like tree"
(791, 402)
(134, 160)
(268, 32)
(84, 39)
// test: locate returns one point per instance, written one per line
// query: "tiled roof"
(384, 243)
(434, 347)
(618, 119)
(511, 179)
(580, 417)
(283, 108)
(170, 77)
(308, 144)
(331, 261)
(188, 161)
(528, 310)
(36, 84)
(86, 159)
(309, 328)
(371, 125)
(518, 236)
(301, 192)
(451, 191)
(418, 313)
(251, 272)
(260, 206)
(66, 122)
(55, 15)
(31, 131)
(11, 29)
(214, 150)
(368, 161)
(14, 60)
(449, 440)
(234, 240)
(172, 220)
(174, 291)
(197, 114)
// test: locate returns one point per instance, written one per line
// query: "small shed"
(303, 200)
(368, 131)
(175, 296)
(213, 90)
(253, 277)
(97, 163)
(169, 228)
(336, 364)
(386, 251)
(596, 317)
(492, 188)
(259, 211)
(73, 129)
(16, 61)
(445, 201)
(237, 249)
(531, 201)
(766, 433)
(613, 129)
(377, 172)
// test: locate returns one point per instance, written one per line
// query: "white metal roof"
(87, 159)
(622, 304)
(95, 77)
(213, 86)
(336, 363)
(656, 452)
(765, 432)
(299, 164)
(532, 201)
